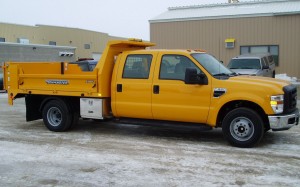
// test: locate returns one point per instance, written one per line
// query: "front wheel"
(243, 127)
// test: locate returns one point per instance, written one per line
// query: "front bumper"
(284, 122)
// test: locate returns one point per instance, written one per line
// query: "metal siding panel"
(229, 10)
(210, 35)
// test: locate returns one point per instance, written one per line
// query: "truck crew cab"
(135, 83)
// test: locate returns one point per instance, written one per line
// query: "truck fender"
(229, 106)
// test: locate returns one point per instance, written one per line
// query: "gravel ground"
(110, 154)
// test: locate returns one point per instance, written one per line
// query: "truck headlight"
(277, 103)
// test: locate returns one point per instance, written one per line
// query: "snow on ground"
(284, 76)
(110, 154)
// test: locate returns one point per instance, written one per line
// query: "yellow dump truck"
(140, 85)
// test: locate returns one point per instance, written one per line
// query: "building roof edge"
(36, 45)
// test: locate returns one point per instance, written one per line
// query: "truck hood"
(264, 84)
(245, 71)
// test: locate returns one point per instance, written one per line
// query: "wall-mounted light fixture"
(229, 43)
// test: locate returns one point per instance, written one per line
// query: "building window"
(137, 66)
(2, 39)
(23, 40)
(87, 46)
(52, 43)
(272, 49)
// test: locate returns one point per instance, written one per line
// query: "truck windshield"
(244, 64)
(212, 65)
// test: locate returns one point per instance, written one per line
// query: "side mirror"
(265, 67)
(191, 77)
(221, 62)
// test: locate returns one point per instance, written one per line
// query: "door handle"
(119, 88)
(156, 89)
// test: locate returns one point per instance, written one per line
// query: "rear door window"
(137, 66)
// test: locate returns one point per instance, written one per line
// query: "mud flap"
(33, 104)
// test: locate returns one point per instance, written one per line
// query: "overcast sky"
(125, 18)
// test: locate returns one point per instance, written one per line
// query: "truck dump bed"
(63, 78)
(50, 79)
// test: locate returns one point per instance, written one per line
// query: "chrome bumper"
(284, 122)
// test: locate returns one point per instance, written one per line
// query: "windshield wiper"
(247, 68)
(221, 74)
(234, 74)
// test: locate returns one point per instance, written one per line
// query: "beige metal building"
(88, 43)
(231, 29)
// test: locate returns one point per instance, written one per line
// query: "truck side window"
(173, 67)
(271, 60)
(137, 66)
(266, 61)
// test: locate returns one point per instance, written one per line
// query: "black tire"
(57, 115)
(74, 120)
(243, 127)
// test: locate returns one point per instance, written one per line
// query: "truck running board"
(164, 124)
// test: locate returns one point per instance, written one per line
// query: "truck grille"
(290, 98)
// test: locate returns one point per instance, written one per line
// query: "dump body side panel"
(49, 79)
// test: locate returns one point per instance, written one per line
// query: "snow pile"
(287, 78)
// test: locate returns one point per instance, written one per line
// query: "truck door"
(134, 86)
(173, 99)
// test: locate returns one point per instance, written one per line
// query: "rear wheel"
(243, 127)
(57, 115)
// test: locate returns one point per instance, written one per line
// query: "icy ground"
(284, 76)
(108, 154)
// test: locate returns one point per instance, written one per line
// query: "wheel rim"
(54, 116)
(241, 129)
